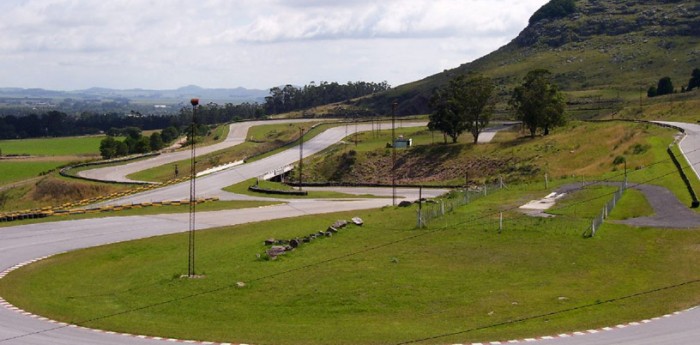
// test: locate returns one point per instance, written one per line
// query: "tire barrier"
(278, 192)
(62, 211)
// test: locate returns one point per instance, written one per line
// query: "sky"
(167, 44)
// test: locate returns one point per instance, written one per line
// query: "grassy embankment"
(459, 275)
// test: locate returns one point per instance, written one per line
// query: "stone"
(294, 243)
(357, 221)
(275, 251)
(270, 241)
(329, 234)
(339, 224)
(333, 230)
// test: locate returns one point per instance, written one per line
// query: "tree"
(142, 145)
(122, 149)
(652, 92)
(465, 104)
(169, 134)
(665, 87)
(156, 141)
(538, 102)
(108, 147)
(694, 81)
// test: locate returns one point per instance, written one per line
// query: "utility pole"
(301, 155)
(193, 192)
(393, 153)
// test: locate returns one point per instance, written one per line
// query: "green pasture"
(460, 280)
(67, 146)
(17, 170)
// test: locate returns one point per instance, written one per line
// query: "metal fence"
(430, 210)
(598, 221)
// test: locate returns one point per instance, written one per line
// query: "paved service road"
(237, 134)
(690, 145)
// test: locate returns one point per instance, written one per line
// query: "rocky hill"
(609, 46)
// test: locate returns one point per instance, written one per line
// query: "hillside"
(616, 47)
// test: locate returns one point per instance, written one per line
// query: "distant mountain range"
(180, 95)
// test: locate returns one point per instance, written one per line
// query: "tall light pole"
(301, 155)
(393, 153)
(193, 194)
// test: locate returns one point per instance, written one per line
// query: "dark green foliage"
(651, 92)
(553, 10)
(169, 134)
(108, 147)
(665, 86)
(694, 81)
(538, 102)
(156, 141)
(619, 160)
(290, 98)
(465, 104)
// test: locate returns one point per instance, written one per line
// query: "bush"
(619, 160)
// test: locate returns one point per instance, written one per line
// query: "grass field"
(68, 146)
(460, 280)
(17, 170)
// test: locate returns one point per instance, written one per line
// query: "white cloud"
(68, 44)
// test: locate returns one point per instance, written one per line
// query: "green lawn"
(17, 170)
(460, 276)
(68, 146)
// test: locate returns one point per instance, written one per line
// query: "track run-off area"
(23, 244)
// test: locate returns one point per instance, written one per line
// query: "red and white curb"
(11, 307)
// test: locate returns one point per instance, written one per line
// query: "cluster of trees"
(538, 103)
(665, 85)
(291, 98)
(213, 113)
(57, 124)
(135, 142)
(466, 104)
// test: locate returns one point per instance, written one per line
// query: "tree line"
(291, 98)
(135, 142)
(466, 104)
(665, 85)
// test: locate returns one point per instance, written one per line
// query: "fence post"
(442, 207)
(500, 223)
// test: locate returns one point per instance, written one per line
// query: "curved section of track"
(237, 134)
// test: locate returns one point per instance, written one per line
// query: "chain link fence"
(598, 221)
(430, 210)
